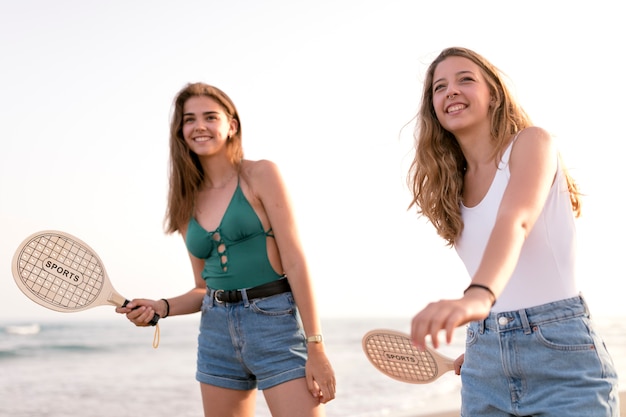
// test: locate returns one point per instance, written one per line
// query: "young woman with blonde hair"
(495, 188)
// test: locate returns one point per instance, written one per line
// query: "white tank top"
(545, 271)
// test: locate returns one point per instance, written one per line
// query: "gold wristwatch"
(316, 338)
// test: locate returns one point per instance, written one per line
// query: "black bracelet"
(484, 287)
(167, 310)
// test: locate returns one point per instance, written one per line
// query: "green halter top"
(235, 253)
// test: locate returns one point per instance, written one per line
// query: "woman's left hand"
(320, 376)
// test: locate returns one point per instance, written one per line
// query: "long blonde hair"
(186, 174)
(436, 174)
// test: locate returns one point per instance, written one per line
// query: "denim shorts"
(251, 344)
(545, 360)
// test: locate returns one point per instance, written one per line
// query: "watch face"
(314, 339)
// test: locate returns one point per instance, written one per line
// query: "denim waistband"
(525, 318)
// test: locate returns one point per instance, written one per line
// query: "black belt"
(271, 288)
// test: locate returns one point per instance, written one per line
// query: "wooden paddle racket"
(393, 354)
(59, 271)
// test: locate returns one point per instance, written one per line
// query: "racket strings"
(70, 261)
(397, 357)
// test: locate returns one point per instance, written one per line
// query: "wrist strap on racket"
(157, 336)
(157, 331)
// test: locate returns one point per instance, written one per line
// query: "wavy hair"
(435, 176)
(186, 174)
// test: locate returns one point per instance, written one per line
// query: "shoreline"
(454, 413)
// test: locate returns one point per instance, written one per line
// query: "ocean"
(104, 368)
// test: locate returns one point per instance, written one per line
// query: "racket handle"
(126, 303)
(155, 318)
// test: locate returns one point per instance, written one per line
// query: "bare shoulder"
(262, 175)
(260, 166)
(534, 144)
(534, 133)
(262, 170)
(534, 137)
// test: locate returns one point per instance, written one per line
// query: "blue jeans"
(251, 343)
(543, 361)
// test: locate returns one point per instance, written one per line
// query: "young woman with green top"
(259, 324)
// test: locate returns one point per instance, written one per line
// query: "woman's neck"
(218, 183)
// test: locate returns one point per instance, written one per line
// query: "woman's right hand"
(458, 363)
(139, 311)
(447, 315)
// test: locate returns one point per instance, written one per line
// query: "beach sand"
(622, 404)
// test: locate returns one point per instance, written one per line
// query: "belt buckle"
(216, 294)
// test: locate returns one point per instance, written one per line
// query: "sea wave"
(43, 369)
(42, 349)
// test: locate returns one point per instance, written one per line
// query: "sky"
(327, 90)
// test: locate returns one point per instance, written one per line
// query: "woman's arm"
(270, 189)
(532, 165)
(140, 311)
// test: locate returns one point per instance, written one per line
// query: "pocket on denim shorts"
(566, 335)
(275, 305)
(471, 335)
(206, 303)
